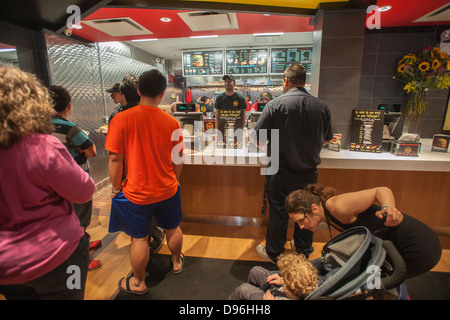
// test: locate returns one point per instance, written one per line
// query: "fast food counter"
(230, 191)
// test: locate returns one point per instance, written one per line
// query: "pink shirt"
(39, 180)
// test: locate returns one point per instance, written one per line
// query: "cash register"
(187, 116)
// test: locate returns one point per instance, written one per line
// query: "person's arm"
(90, 152)
(349, 205)
(115, 171)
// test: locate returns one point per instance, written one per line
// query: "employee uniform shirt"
(233, 102)
(204, 108)
(146, 136)
(304, 124)
(73, 138)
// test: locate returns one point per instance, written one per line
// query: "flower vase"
(416, 107)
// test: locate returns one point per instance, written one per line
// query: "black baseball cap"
(229, 76)
(115, 88)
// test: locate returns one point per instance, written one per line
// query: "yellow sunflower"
(436, 64)
(448, 65)
(424, 66)
(401, 68)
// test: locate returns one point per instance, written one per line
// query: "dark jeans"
(55, 284)
(279, 186)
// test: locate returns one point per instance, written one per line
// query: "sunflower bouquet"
(419, 72)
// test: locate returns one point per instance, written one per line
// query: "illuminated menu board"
(203, 63)
(247, 61)
(282, 58)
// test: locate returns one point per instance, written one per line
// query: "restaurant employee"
(230, 100)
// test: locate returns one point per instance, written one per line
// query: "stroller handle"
(399, 274)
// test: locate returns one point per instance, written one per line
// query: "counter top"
(345, 159)
(426, 161)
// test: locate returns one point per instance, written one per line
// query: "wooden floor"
(199, 239)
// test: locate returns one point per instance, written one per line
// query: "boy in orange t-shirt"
(151, 143)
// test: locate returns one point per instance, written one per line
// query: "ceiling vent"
(207, 20)
(118, 27)
(440, 14)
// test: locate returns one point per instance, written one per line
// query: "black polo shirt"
(304, 124)
(234, 102)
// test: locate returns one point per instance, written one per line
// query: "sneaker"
(95, 244)
(261, 250)
(94, 265)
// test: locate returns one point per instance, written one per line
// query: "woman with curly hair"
(40, 235)
(296, 279)
(417, 243)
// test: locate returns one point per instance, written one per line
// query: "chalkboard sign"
(282, 58)
(202, 63)
(367, 130)
(247, 61)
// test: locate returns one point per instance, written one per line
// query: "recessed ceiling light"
(384, 8)
(141, 40)
(165, 19)
(266, 14)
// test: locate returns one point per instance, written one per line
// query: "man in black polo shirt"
(304, 124)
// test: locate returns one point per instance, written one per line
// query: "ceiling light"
(8, 50)
(77, 26)
(266, 14)
(199, 37)
(165, 19)
(384, 8)
(141, 40)
(268, 34)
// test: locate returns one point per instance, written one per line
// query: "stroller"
(358, 265)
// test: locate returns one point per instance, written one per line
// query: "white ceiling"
(172, 48)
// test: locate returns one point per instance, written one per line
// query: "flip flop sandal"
(182, 265)
(128, 289)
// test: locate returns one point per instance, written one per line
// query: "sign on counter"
(367, 130)
(230, 125)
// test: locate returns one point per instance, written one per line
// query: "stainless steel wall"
(86, 71)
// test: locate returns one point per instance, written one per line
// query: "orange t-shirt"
(145, 136)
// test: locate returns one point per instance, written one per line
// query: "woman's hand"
(393, 216)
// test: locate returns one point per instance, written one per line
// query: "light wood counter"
(232, 192)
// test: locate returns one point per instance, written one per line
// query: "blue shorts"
(135, 220)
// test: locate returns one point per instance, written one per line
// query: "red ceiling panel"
(177, 28)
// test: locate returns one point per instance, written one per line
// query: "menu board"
(282, 58)
(202, 63)
(367, 130)
(247, 61)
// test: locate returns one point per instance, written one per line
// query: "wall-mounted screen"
(203, 63)
(246, 61)
(282, 58)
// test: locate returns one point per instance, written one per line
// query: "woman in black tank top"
(417, 243)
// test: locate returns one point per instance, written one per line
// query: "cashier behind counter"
(264, 97)
(230, 100)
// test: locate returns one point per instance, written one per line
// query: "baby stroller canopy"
(357, 263)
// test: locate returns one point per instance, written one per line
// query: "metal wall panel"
(86, 71)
